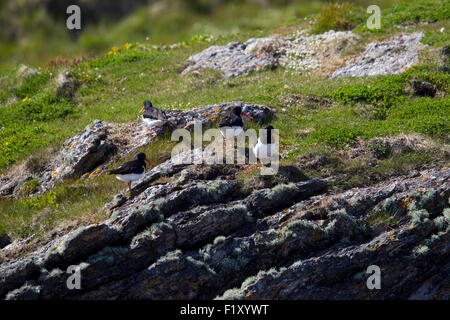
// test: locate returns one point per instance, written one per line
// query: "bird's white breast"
(233, 131)
(153, 122)
(131, 176)
(265, 152)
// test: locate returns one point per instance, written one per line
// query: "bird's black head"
(237, 111)
(147, 104)
(140, 157)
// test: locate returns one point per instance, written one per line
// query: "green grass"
(410, 12)
(380, 216)
(79, 199)
(338, 16)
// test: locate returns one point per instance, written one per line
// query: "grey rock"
(387, 57)
(205, 238)
(236, 58)
(80, 154)
(26, 72)
(8, 188)
(66, 85)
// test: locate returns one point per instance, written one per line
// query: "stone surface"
(66, 85)
(237, 58)
(80, 154)
(387, 57)
(300, 54)
(206, 116)
(204, 239)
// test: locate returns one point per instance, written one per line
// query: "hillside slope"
(363, 177)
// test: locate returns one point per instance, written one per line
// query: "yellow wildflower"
(6, 143)
(113, 51)
(127, 46)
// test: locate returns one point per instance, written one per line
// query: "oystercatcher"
(152, 117)
(266, 149)
(233, 123)
(132, 170)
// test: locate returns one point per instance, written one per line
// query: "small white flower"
(442, 29)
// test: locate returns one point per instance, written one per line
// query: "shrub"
(280, 190)
(28, 188)
(381, 149)
(335, 16)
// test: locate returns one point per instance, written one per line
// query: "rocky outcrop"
(387, 57)
(185, 119)
(256, 54)
(205, 237)
(26, 72)
(237, 58)
(80, 154)
(90, 150)
(322, 52)
(66, 85)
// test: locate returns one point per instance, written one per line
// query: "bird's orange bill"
(244, 114)
(142, 109)
(150, 162)
(279, 134)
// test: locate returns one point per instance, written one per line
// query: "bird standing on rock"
(233, 123)
(265, 148)
(152, 117)
(132, 170)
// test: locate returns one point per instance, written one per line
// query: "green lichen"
(230, 294)
(421, 250)
(280, 191)
(419, 216)
(200, 264)
(170, 256)
(219, 240)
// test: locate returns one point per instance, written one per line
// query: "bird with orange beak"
(233, 123)
(132, 170)
(152, 117)
(266, 149)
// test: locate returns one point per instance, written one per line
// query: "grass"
(411, 12)
(380, 216)
(114, 84)
(338, 16)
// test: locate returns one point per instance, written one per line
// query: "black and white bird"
(233, 123)
(153, 117)
(132, 170)
(266, 149)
